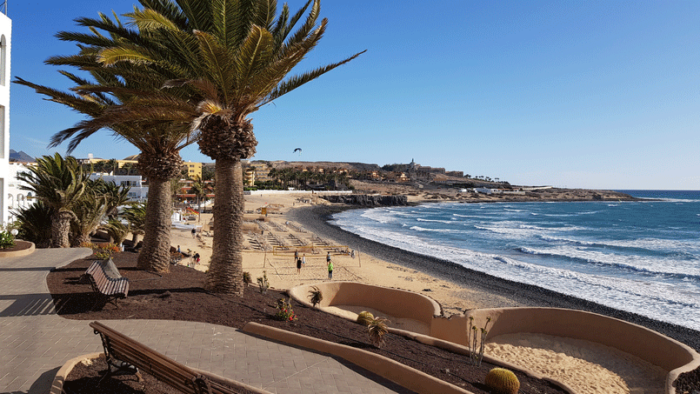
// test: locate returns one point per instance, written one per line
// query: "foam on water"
(645, 265)
(638, 257)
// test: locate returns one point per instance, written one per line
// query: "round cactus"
(502, 381)
(365, 318)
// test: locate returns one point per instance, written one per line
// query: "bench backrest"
(164, 369)
(100, 282)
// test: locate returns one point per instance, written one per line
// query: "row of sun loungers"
(296, 227)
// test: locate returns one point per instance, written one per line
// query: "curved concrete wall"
(639, 341)
(394, 302)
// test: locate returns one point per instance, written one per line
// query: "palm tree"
(117, 230)
(159, 142)
(200, 189)
(115, 195)
(231, 57)
(34, 223)
(136, 216)
(60, 184)
(89, 214)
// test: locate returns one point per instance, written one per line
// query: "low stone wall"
(394, 302)
(21, 248)
(639, 341)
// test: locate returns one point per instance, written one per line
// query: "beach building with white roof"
(5, 171)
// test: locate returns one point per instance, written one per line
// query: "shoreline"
(316, 219)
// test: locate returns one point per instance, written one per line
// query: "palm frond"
(149, 20)
(297, 81)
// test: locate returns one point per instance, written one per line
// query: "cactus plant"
(365, 318)
(502, 381)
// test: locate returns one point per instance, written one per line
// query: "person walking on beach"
(193, 232)
(296, 255)
(330, 269)
(328, 258)
(303, 260)
(298, 266)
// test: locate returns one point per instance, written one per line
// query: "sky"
(578, 94)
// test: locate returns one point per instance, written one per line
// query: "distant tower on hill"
(5, 173)
(412, 170)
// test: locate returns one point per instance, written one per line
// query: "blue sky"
(583, 94)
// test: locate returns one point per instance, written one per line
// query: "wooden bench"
(107, 289)
(126, 355)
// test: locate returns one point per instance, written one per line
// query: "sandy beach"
(298, 222)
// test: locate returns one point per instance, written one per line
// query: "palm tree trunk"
(60, 229)
(81, 239)
(226, 270)
(155, 254)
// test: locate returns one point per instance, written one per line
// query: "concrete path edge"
(396, 372)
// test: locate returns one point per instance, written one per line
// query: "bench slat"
(110, 288)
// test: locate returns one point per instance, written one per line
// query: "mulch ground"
(179, 296)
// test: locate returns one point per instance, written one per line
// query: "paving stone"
(35, 341)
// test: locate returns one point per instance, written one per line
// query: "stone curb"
(27, 250)
(62, 374)
(396, 372)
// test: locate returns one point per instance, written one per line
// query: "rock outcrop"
(369, 201)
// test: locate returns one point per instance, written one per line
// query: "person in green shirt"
(330, 269)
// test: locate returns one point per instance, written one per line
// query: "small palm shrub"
(502, 381)
(284, 310)
(263, 283)
(377, 328)
(246, 279)
(365, 318)
(315, 296)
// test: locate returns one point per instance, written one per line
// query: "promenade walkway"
(35, 342)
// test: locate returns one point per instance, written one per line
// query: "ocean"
(641, 257)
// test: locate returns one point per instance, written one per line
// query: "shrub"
(102, 251)
(263, 283)
(474, 339)
(246, 279)
(502, 381)
(377, 328)
(365, 318)
(315, 296)
(284, 310)
(7, 240)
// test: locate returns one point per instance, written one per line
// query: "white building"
(5, 173)
(15, 197)
(138, 192)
